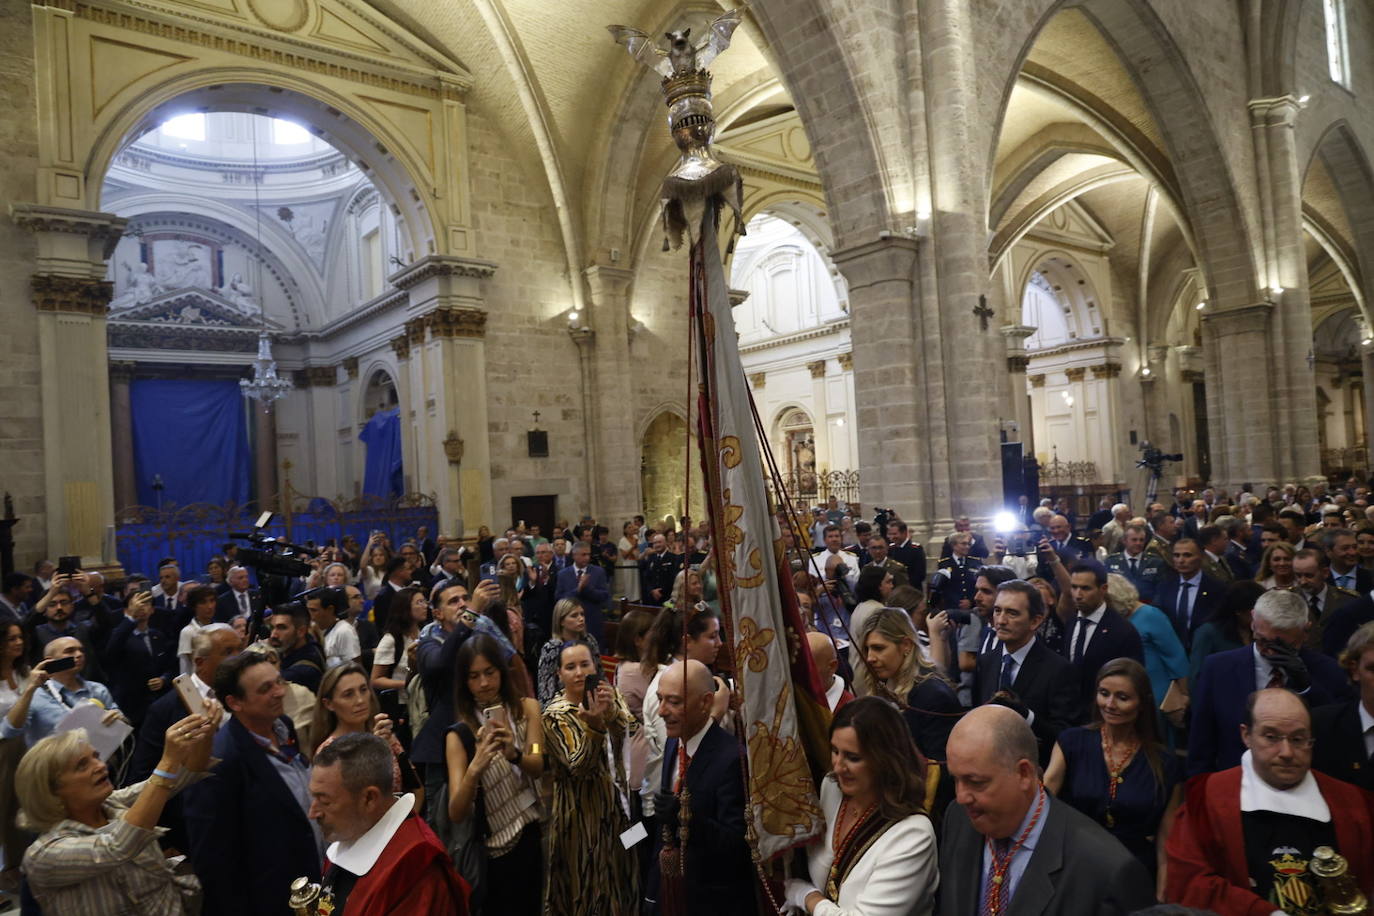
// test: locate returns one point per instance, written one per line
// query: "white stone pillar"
(820, 406)
(1240, 422)
(1018, 406)
(617, 465)
(72, 297)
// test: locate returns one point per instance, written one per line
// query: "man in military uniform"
(1163, 533)
(1213, 541)
(878, 556)
(1136, 563)
(956, 575)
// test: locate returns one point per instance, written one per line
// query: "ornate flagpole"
(783, 715)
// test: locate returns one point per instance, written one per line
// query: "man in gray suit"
(1010, 849)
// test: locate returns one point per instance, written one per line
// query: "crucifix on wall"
(983, 312)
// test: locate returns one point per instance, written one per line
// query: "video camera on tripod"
(278, 564)
(1154, 460)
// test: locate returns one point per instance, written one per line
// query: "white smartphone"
(495, 714)
(190, 696)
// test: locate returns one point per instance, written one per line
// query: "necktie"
(1133, 561)
(1004, 682)
(682, 761)
(243, 603)
(1081, 642)
(989, 639)
(1316, 608)
(994, 894)
(1343, 581)
(1275, 678)
(1183, 605)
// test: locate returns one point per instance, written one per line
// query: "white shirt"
(242, 602)
(836, 690)
(358, 856)
(188, 633)
(1090, 621)
(1017, 657)
(341, 645)
(204, 689)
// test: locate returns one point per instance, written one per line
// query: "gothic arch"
(1174, 100)
(1349, 167)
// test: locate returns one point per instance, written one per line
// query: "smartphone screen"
(67, 566)
(589, 689)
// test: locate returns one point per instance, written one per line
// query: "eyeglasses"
(1297, 742)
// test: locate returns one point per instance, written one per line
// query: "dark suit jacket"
(1339, 750)
(227, 604)
(169, 616)
(131, 665)
(1342, 622)
(1076, 869)
(657, 571)
(539, 601)
(1209, 595)
(1113, 637)
(594, 598)
(913, 557)
(1239, 561)
(1046, 683)
(1218, 704)
(249, 837)
(719, 871)
(434, 661)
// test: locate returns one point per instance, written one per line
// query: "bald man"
(828, 663)
(1243, 838)
(701, 768)
(47, 698)
(1008, 840)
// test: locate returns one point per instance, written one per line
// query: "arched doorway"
(664, 469)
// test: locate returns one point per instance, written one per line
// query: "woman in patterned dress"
(590, 873)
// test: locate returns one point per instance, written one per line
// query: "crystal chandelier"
(265, 386)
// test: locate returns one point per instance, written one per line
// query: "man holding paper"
(55, 688)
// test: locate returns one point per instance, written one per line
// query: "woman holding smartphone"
(494, 753)
(590, 874)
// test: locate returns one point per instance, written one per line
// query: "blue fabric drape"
(193, 433)
(382, 475)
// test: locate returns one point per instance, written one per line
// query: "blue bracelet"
(165, 775)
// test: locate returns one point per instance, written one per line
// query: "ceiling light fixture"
(266, 386)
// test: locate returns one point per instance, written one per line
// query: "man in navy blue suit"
(586, 584)
(250, 831)
(701, 765)
(1276, 658)
(142, 660)
(1189, 596)
(1097, 634)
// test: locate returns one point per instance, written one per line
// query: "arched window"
(1337, 42)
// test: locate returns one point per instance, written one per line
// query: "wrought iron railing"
(809, 488)
(1068, 473)
(1346, 461)
(192, 534)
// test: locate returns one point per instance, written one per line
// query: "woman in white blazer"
(878, 856)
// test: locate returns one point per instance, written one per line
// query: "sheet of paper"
(106, 739)
(633, 835)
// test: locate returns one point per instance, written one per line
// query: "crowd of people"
(1172, 709)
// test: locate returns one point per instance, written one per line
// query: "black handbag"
(468, 847)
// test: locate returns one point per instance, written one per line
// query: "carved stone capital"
(320, 376)
(1037, 380)
(84, 295)
(103, 228)
(882, 261)
(456, 323)
(817, 369)
(401, 346)
(583, 337)
(1248, 319)
(1106, 370)
(1076, 373)
(122, 370)
(846, 361)
(1018, 364)
(350, 365)
(758, 379)
(738, 296)
(415, 331)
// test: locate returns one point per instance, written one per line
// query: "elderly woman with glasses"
(98, 849)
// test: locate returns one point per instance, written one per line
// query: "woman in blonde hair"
(569, 623)
(1276, 566)
(98, 850)
(893, 667)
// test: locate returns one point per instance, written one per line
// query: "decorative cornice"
(808, 334)
(738, 296)
(1106, 370)
(1076, 373)
(461, 322)
(435, 265)
(350, 365)
(758, 379)
(1091, 343)
(797, 179)
(285, 51)
(392, 298)
(817, 368)
(320, 377)
(99, 227)
(1018, 363)
(846, 361)
(143, 336)
(1037, 380)
(1194, 377)
(84, 295)
(401, 346)
(415, 330)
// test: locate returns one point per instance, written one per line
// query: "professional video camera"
(882, 516)
(1154, 460)
(278, 564)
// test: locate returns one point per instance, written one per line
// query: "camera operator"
(832, 537)
(301, 660)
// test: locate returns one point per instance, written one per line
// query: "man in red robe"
(382, 858)
(1243, 840)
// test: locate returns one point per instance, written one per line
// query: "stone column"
(618, 452)
(1367, 363)
(1018, 407)
(820, 404)
(122, 435)
(585, 339)
(1156, 387)
(447, 398)
(400, 345)
(1293, 423)
(1240, 427)
(72, 298)
(265, 459)
(319, 382)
